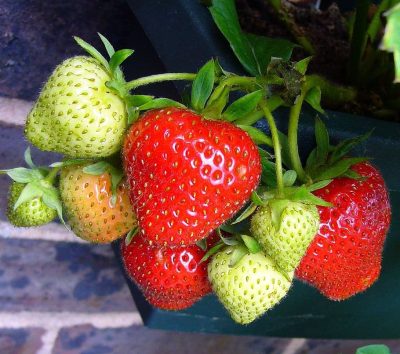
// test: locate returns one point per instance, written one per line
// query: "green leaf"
(319, 185)
(116, 178)
(202, 244)
(277, 207)
(130, 235)
(374, 349)
(31, 190)
(203, 85)
(303, 195)
(257, 135)
(344, 147)
(119, 57)
(238, 253)
(97, 168)
(391, 38)
(160, 103)
(313, 98)
(251, 208)
(251, 243)
(256, 199)
(137, 100)
(213, 250)
(109, 48)
(51, 198)
(268, 174)
(243, 106)
(265, 154)
(93, 52)
(322, 139)
(253, 52)
(69, 162)
(353, 175)
(338, 168)
(22, 174)
(28, 158)
(289, 177)
(302, 65)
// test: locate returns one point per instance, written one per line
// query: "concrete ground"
(57, 293)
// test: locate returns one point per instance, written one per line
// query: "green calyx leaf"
(302, 194)
(319, 185)
(257, 135)
(109, 48)
(277, 207)
(254, 52)
(313, 98)
(102, 167)
(256, 199)
(160, 103)
(251, 243)
(391, 38)
(23, 175)
(337, 169)
(289, 178)
(28, 158)
(302, 65)
(322, 140)
(202, 244)
(93, 52)
(238, 253)
(31, 190)
(243, 106)
(69, 162)
(118, 58)
(203, 85)
(51, 197)
(245, 214)
(130, 235)
(213, 250)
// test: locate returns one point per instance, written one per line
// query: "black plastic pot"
(184, 38)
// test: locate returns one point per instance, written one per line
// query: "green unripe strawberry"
(76, 114)
(285, 229)
(31, 213)
(250, 287)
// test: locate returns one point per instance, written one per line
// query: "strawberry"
(33, 212)
(187, 174)
(76, 114)
(345, 256)
(250, 287)
(170, 278)
(88, 202)
(286, 239)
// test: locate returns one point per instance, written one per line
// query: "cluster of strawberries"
(183, 179)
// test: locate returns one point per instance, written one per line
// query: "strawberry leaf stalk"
(33, 198)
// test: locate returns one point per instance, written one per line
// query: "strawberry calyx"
(39, 182)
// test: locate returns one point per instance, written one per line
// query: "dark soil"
(326, 30)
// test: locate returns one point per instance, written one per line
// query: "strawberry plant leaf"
(251, 208)
(28, 158)
(319, 185)
(202, 244)
(97, 168)
(251, 243)
(289, 177)
(313, 98)
(130, 235)
(322, 139)
(265, 154)
(353, 175)
(51, 198)
(243, 106)
(303, 195)
(31, 190)
(391, 38)
(137, 100)
(238, 253)
(338, 168)
(344, 147)
(213, 250)
(109, 48)
(160, 103)
(22, 174)
(203, 85)
(302, 65)
(257, 135)
(119, 57)
(268, 173)
(374, 349)
(93, 52)
(253, 52)
(68, 162)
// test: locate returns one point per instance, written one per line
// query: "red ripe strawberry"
(345, 256)
(187, 174)
(170, 278)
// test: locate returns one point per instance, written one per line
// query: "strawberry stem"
(158, 78)
(51, 176)
(292, 136)
(277, 146)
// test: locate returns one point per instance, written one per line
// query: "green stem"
(277, 146)
(292, 136)
(159, 78)
(51, 176)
